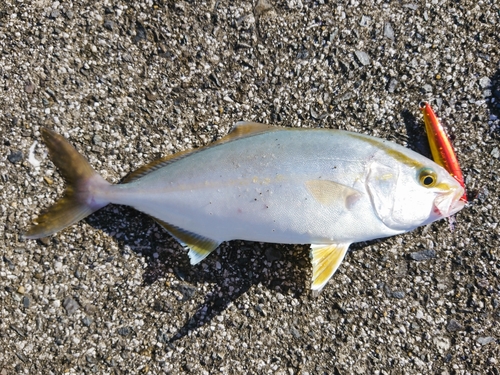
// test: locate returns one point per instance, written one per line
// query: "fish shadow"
(416, 136)
(230, 271)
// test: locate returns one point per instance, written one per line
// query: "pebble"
(109, 25)
(398, 294)
(29, 88)
(362, 57)
(454, 326)
(495, 153)
(86, 321)
(124, 331)
(55, 13)
(26, 302)
(70, 305)
(97, 140)
(391, 87)
(423, 255)
(442, 343)
(15, 156)
(485, 82)
(140, 33)
(426, 88)
(485, 340)
(365, 21)
(388, 31)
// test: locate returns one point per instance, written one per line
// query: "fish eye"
(427, 177)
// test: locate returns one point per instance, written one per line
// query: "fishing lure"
(441, 147)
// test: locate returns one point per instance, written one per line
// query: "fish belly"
(283, 187)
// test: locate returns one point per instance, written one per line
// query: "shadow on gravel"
(232, 269)
(492, 92)
(415, 129)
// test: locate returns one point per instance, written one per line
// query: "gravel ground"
(130, 81)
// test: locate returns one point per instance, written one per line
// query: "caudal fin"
(81, 197)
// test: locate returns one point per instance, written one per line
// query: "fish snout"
(447, 204)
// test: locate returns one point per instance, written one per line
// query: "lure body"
(328, 188)
(440, 145)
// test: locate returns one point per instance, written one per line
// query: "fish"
(324, 187)
(441, 147)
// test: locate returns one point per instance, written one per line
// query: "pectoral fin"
(330, 192)
(199, 247)
(325, 261)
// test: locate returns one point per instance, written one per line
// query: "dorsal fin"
(247, 128)
(241, 129)
(154, 165)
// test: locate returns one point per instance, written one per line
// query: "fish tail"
(83, 194)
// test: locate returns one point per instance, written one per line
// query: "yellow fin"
(246, 128)
(329, 192)
(81, 197)
(199, 247)
(156, 164)
(325, 261)
(241, 129)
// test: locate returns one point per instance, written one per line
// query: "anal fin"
(325, 261)
(199, 246)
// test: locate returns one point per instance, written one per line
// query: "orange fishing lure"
(441, 148)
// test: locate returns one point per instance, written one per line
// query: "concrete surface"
(130, 81)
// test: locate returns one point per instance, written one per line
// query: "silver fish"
(323, 187)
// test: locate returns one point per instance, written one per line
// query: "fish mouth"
(449, 203)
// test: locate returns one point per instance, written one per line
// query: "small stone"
(365, 21)
(391, 87)
(295, 332)
(140, 33)
(423, 255)
(454, 326)
(151, 97)
(411, 6)
(58, 266)
(21, 290)
(485, 340)
(398, 294)
(70, 305)
(124, 331)
(48, 180)
(86, 321)
(44, 241)
(362, 57)
(426, 88)
(15, 156)
(97, 140)
(55, 13)
(109, 25)
(303, 54)
(442, 343)
(388, 31)
(485, 82)
(26, 302)
(495, 153)
(29, 88)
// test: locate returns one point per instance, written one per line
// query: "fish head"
(408, 190)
